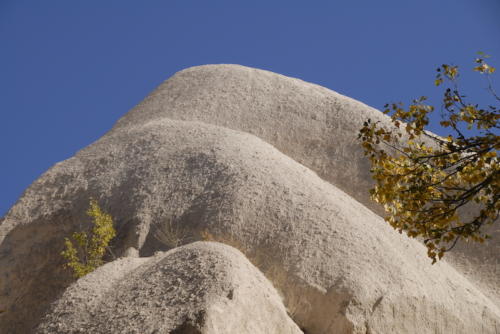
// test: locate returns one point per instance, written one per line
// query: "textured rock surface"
(340, 268)
(313, 125)
(200, 288)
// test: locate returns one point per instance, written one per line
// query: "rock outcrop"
(271, 186)
(313, 125)
(198, 288)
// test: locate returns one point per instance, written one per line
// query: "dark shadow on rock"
(186, 328)
(32, 272)
(34, 276)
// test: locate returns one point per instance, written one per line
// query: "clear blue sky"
(70, 69)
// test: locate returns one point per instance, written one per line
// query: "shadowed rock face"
(340, 268)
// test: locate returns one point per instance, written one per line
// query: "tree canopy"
(426, 182)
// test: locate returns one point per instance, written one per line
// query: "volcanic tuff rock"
(312, 124)
(198, 288)
(247, 179)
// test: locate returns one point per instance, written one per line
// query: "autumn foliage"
(85, 252)
(424, 181)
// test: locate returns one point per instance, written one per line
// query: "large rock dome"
(267, 164)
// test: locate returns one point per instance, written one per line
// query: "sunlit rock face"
(198, 288)
(311, 124)
(265, 163)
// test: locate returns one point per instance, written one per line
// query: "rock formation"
(265, 163)
(198, 288)
(313, 125)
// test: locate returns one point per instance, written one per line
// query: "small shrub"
(90, 249)
(170, 235)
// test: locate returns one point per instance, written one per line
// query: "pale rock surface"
(340, 268)
(203, 287)
(312, 124)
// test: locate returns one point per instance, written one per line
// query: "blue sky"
(70, 69)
